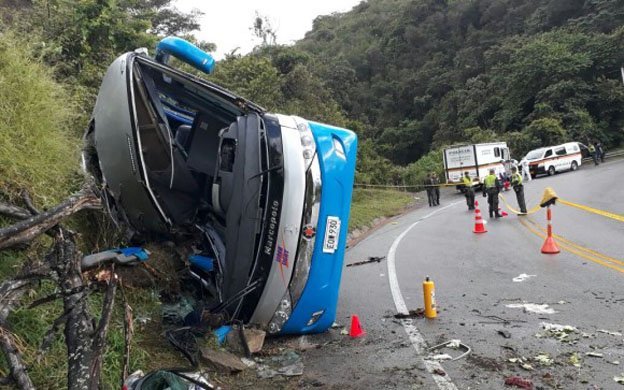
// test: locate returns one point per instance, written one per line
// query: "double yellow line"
(574, 248)
(607, 214)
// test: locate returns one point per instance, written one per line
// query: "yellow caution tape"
(593, 210)
(531, 211)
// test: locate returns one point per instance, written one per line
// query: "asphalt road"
(474, 286)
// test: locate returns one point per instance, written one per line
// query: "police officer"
(429, 188)
(435, 182)
(491, 188)
(516, 182)
(470, 195)
(592, 152)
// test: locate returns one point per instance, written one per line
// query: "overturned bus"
(263, 199)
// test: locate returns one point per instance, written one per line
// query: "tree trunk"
(85, 342)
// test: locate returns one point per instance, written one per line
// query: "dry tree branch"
(27, 229)
(128, 333)
(11, 211)
(13, 355)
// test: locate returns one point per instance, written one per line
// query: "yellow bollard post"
(429, 294)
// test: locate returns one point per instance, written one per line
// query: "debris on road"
(255, 339)
(523, 363)
(619, 379)
(418, 313)
(594, 354)
(504, 333)
(454, 344)
(614, 362)
(522, 278)
(302, 343)
(221, 332)
(519, 382)
(442, 356)
(222, 360)
(544, 359)
(618, 334)
(497, 320)
(532, 308)
(439, 371)
(371, 259)
(560, 332)
(575, 359)
(289, 363)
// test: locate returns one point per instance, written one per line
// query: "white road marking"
(417, 340)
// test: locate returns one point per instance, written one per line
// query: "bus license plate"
(331, 235)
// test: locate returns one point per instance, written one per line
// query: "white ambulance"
(552, 159)
(477, 159)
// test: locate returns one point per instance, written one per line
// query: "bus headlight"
(282, 314)
(307, 139)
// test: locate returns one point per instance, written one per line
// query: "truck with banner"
(477, 159)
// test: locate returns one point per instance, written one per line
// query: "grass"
(38, 147)
(369, 204)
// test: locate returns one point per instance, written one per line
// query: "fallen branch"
(13, 356)
(11, 211)
(11, 292)
(128, 333)
(28, 229)
(29, 203)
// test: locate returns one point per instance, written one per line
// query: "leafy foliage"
(422, 74)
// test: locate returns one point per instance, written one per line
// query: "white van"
(552, 159)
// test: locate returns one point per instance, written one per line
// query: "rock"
(255, 339)
(222, 360)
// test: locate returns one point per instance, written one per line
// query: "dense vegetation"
(419, 74)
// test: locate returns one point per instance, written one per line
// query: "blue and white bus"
(262, 199)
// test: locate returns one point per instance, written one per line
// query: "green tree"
(548, 131)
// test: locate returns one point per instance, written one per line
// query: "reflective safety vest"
(591, 148)
(467, 181)
(490, 181)
(516, 179)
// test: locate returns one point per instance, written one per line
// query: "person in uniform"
(469, 193)
(525, 170)
(429, 188)
(516, 183)
(592, 152)
(599, 151)
(491, 188)
(435, 182)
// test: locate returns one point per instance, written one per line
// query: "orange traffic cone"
(479, 226)
(356, 328)
(549, 247)
(503, 213)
